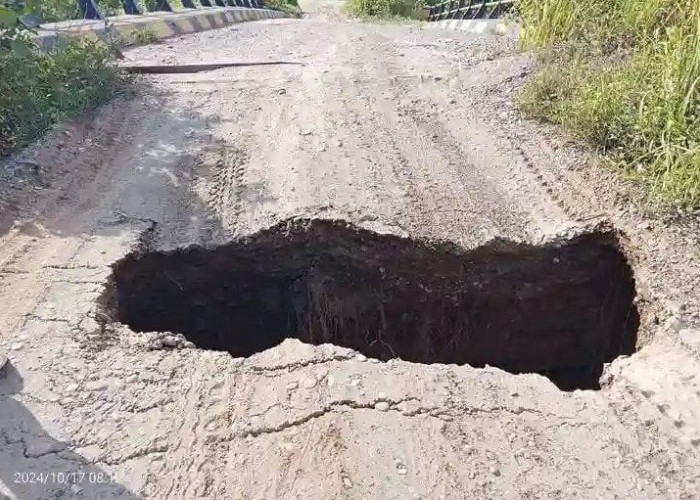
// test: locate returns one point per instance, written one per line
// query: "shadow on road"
(34, 465)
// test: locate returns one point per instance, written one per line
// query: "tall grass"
(625, 76)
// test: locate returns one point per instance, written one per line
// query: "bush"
(289, 6)
(625, 76)
(55, 10)
(383, 8)
(37, 90)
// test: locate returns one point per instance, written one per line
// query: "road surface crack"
(300, 364)
(345, 404)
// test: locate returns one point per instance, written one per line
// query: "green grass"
(38, 90)
(61, 10)
(384, 9)
(289, 6)
(145, 36)
(56, 10)
(623, 75)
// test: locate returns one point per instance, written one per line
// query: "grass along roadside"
(386, 9)
(38, 90)
(288, 6)
(623, 75)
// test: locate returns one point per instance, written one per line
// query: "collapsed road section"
(561, 309)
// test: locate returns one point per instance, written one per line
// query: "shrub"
(37, 90)
(623, 75)
(383, 8)
(145, 36)
(289, 6)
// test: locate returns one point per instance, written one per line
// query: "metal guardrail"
(469, 9)
(88, 8)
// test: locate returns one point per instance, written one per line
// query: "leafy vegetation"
(625, 76)
(49, 11)
(289, 6)
(144, 36)
(385, 8)
(38, 89)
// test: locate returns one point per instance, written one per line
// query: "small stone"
(347, 482)
(360, 357)
(402, 471)
(472, 475)
(494, 471)
(282, 91)
(292, 385)
(132, 378)
(71, 388)
(310, 383)
(381, 406)
(155, 344)
(330, 380)
(17, 346)
(170, 341)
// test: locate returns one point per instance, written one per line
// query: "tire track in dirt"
(225, 195)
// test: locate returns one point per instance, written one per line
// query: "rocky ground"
(397, 130)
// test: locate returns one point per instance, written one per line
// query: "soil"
(121, 234)
(562, 309)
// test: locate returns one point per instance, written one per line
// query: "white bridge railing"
(469, 9)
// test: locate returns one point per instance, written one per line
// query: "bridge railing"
(89, 8)
(469, 9)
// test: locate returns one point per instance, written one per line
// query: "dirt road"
(402, 131)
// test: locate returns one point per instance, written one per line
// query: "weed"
(384, 9)
(144, 36)
(625, 76)
(40, 89)
(288, 6)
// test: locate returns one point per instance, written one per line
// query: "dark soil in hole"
(561, 310)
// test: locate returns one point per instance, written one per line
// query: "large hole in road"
(561, 309)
